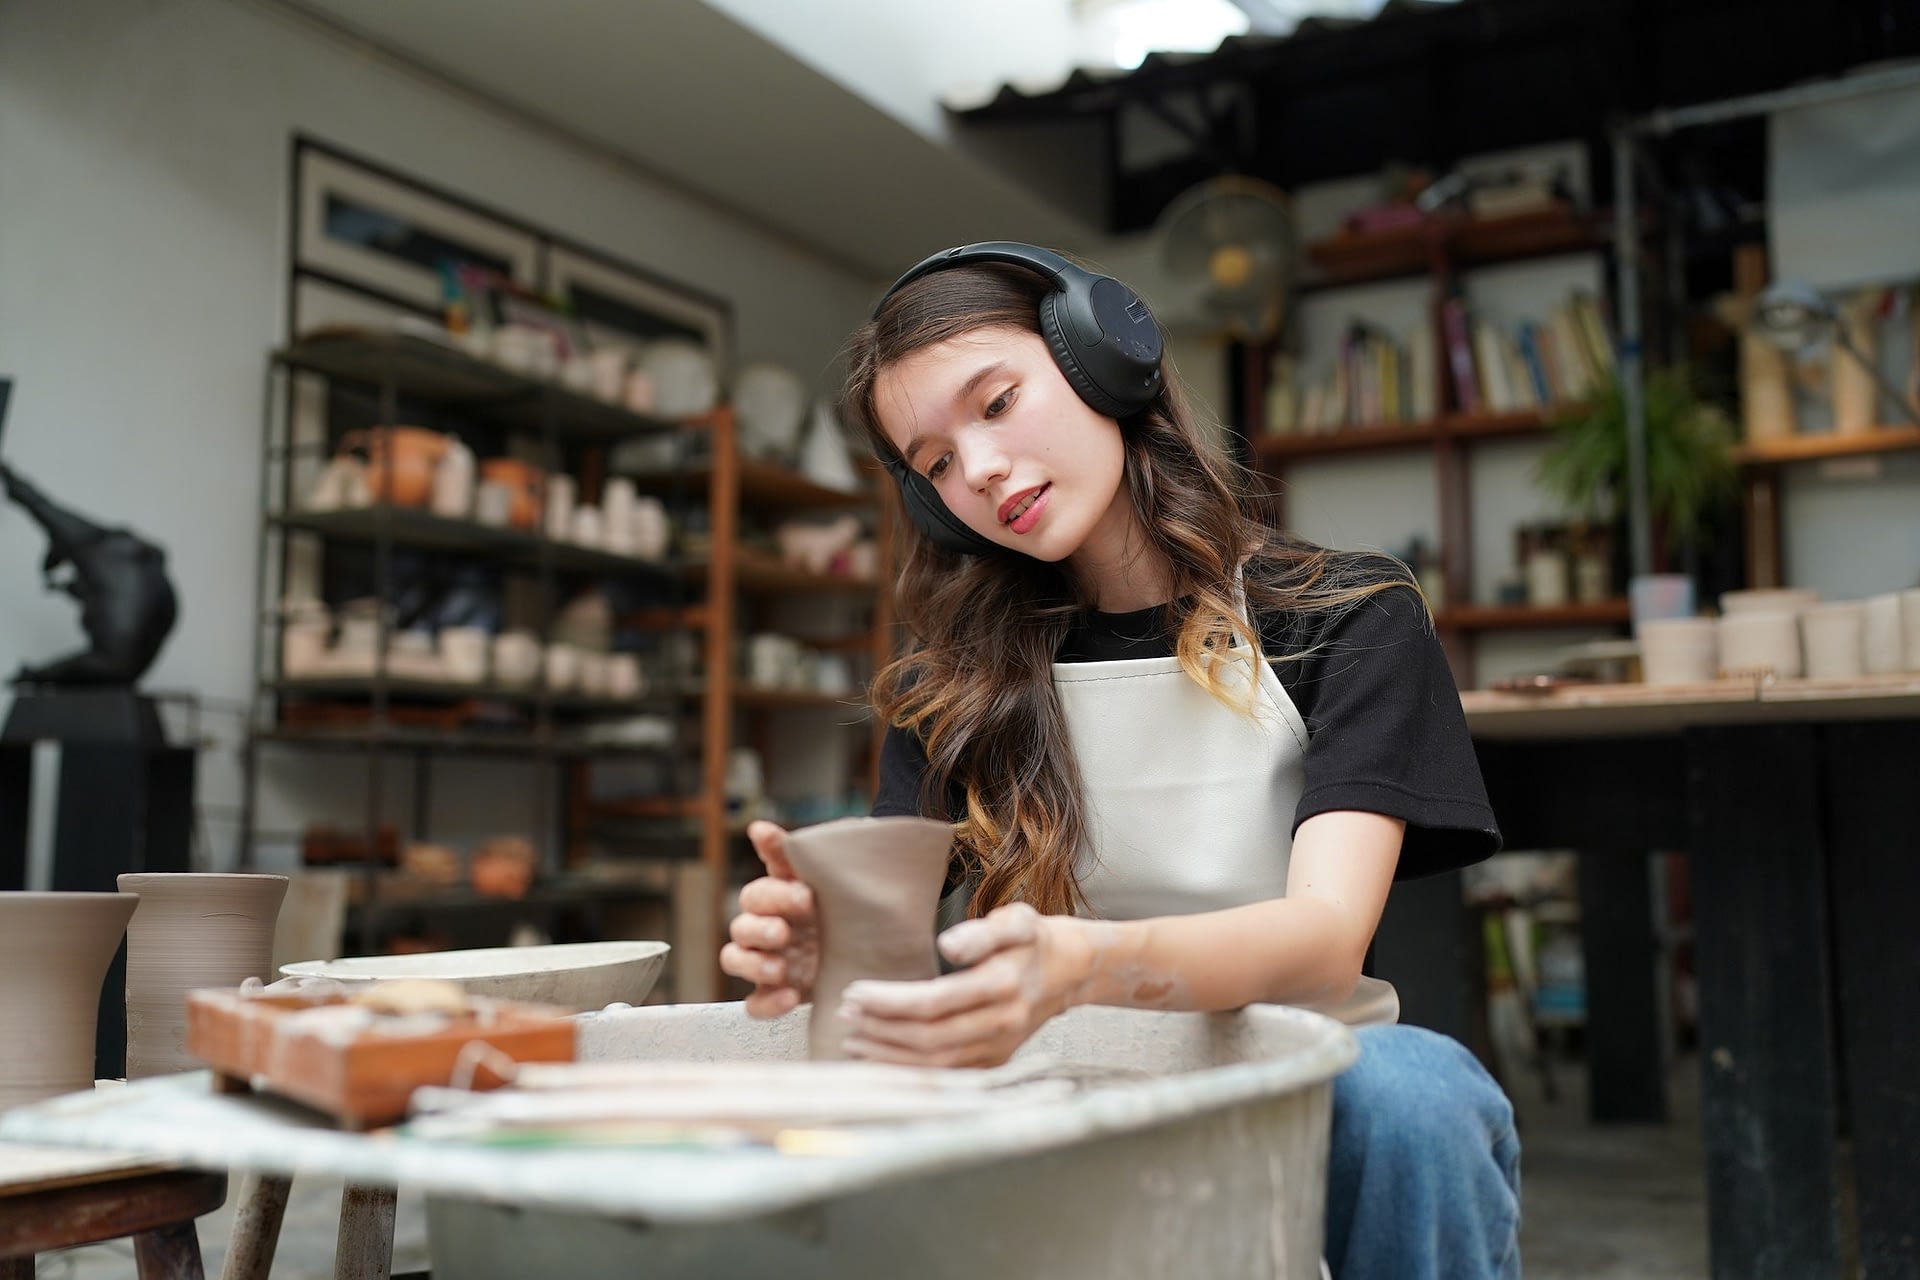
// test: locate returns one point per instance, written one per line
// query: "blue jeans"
(1423, 1181)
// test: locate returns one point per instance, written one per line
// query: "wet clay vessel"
(193, 929)
(876, 886)
(54, 950)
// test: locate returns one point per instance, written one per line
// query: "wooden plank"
(67, 1216)
(1811, 448)
(1761, 946)
(1514, 617)
(1875, 831)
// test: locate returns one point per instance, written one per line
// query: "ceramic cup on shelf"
(1679, 650)
(304, 633)
(1831, 634)
(594, 674)
(1910, 627)
(493, 504)
(649, 528)
(623, 676)
(453, 482)
(589, 528)
(516, 658)
(609, 365)
(1765, 643)
(463, 653)
(562, 667)
(560, 498)
(1882, 639)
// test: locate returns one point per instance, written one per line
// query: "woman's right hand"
(776, 937)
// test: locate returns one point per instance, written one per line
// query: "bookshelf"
(1444, 381)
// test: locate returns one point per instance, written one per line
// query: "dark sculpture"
(127, 605)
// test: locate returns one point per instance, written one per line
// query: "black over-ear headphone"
(1101, 334)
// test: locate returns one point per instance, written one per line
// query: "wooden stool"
(59, 1200)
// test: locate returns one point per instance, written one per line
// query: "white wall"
(143, 221)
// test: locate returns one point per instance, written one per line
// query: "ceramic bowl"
(576, 975)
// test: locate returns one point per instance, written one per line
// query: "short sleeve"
(1387, 734)
(903, 772)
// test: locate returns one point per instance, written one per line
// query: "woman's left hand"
(1021, 969)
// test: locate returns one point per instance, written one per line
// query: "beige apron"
(1189, 802)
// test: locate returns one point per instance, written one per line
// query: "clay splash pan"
(357, 1057)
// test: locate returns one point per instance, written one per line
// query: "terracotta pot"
(401, 461)
(526, 482)
(876, 887)
(193, 929)
(54, 949)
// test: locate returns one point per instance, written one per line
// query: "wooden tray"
(361, 1077)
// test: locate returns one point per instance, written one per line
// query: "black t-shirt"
(1386, 732)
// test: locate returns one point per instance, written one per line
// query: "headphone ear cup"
(931, 516)
(1068, 359)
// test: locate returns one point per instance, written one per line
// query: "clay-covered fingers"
(983, 1037)
(971, 941)
(784, 899)
(942, 997)
(769, 840)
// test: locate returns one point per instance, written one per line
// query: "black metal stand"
(125, 803)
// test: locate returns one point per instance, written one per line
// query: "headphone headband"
(1012, 252)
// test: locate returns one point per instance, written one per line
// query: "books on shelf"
(1379, 378)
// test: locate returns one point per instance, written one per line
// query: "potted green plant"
(1690, 464)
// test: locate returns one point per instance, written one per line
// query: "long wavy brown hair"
(976, 683)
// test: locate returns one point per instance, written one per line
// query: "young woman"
(1186, 755)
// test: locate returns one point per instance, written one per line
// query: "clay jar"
(876, 887)
(401, 461)
(54, 950)
(525, 483)
(193, 929)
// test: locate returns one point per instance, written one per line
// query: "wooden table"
(56, 1198)
(1798, 803)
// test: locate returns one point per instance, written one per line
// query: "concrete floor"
(1622, 1202)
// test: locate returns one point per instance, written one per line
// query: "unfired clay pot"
(54, 950)
(876, 887)
(193, 929)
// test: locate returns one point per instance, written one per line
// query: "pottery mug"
(1831, 634)
(1678, 650)
(560, 497)
(1882, 639)
(463, 653)
(1766, 643)
(516, 657)
(401, 461)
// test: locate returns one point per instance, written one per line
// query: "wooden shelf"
(1402, 435)
(1522, 617)
(1812, 448)
(1402, 252)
